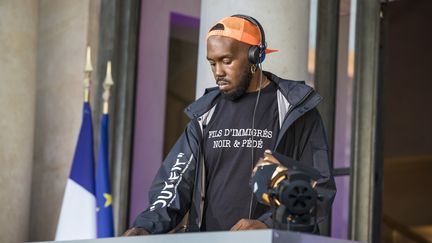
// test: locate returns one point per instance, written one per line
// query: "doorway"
(407, 120)
(182, 69)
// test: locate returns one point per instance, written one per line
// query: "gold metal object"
(266, 198)
(275, 183)
(87, 75)
(313, 183)
(253, 68)
(108, 82)
(279, 174)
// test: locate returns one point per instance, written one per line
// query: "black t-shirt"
(228, 156)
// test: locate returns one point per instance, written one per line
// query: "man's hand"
(248, 224)
(135, 231)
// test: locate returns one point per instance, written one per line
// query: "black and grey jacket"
(178, 185)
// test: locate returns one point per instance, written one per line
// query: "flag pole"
(77, 218)
(87, 75)
(104, 217)
(107, 85)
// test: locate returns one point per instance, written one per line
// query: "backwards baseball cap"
(239, 29)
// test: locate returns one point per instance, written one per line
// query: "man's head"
(230, 65)
(229, 45)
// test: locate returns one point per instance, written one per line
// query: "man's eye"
(226, 61)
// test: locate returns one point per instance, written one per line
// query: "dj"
(206, 174)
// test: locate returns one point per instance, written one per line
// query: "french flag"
(78, 213)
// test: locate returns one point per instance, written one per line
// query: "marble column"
(18, 38)
(286, 27)
(62, 40)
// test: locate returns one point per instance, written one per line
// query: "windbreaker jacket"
(178, 185)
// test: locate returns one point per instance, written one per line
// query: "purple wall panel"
(150, 104)
(342, 135)
(340, 211)
(184, 20)
(153, 53)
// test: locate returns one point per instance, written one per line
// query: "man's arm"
(171, 191)
(315, 149)
(310, 152)
(135, 231)
(248, 224)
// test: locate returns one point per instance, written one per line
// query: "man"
(206, 173)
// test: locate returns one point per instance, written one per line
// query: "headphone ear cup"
(254, 54)
(262, 58)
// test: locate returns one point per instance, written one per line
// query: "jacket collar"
(294, 91)
(203, 104)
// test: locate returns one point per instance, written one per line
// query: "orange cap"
(239, 29)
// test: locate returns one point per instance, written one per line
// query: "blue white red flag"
(78, 215)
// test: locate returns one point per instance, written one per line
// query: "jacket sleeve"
(172, 188)
(306, 144)
(314, 152)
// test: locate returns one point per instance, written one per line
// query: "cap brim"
(268, 51)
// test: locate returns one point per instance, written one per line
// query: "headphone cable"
(252, 133)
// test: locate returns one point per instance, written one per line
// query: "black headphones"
(256, 54)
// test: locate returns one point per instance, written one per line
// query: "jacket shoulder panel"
(203, 104)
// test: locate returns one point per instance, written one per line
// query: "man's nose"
(219, 70)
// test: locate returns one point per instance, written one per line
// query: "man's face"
(230, 65)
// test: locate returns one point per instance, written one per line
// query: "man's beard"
(241, 87)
